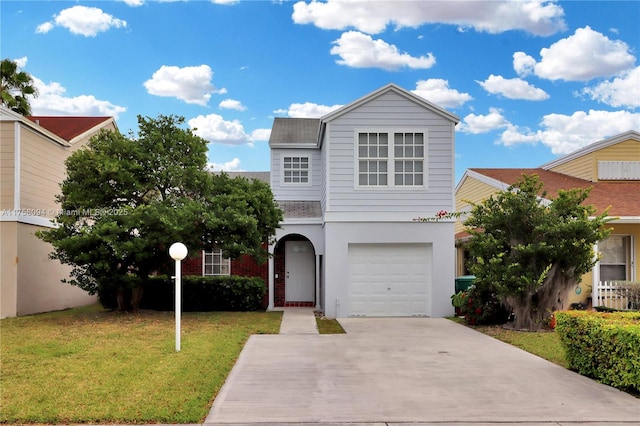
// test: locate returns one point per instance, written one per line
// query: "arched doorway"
(295, 273)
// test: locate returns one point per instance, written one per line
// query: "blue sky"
(530, 80)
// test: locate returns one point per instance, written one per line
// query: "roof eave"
(397, 89)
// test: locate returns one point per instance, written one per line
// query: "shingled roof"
(293, 131)
(621, 197)
(68, 128)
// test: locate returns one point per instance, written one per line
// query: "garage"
(389, 279)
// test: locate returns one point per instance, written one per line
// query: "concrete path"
(298, 321)
(408, 370)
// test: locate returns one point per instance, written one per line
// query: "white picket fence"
(620, 295)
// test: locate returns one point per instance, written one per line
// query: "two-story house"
(33, 151)
(351, 185)
(611, 167)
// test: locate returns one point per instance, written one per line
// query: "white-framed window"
(390, 159)
(213, 263)
(615, 261)
(296, 169)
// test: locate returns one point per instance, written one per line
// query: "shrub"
(199, 294)
(479, 306)
(603, 346)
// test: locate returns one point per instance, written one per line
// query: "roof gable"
(596, 146)
(69, 128)
(400, 91)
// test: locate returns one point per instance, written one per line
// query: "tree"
(15, 87)
(530, 251)
(127, 199)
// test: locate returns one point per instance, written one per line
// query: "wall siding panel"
(394, 112)
(296, 192)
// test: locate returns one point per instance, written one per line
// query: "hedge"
(603, 346)
(199, 294)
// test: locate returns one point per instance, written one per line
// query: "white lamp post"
(178, 251)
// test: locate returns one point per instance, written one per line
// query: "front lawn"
(89, 365)
(545, 344)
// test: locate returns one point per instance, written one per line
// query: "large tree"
(532, 249)
(127, 199)
(15, 87)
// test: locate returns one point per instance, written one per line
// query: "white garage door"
(389, 279)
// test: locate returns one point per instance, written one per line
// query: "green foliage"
(603, 346)
(479, 305)
(15, 87)
(127, 199)
(531, 252)
(199, 294)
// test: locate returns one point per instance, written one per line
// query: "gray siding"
(296, 192)
(394, 112)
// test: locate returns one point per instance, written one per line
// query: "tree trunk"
(129, 298)
(533, 310)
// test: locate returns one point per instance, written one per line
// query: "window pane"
(419, 152)
(384, 139)
(362, 179)
(362, 138)
(383, 166)
(419, 139)
(418, 179)
(398, 180)
(418, 166)
(408, 151)
(362, 151)
(362, 166)
(397, 151)
(373, 180)
(408, 180)
(613, 272)
(399, 168)
(408, 166)
(373, 152)
(373, 167)
(384, 151)
(397, 138)
(383, 180)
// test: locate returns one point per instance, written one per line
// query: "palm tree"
(15, 87)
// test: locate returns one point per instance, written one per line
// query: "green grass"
(545, 344)
(89, 365)
(329, 326)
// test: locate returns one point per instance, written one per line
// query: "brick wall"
(245, 266)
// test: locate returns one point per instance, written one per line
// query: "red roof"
(68, 127)
(623, 197)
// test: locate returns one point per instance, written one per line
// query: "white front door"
(299, 271)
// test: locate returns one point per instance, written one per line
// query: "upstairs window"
(213, 263)
(373, 157)
(295, 169)
(399, 155)
(408, 152)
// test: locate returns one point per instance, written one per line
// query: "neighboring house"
(351, 185)
(612, 168)
(32, 155)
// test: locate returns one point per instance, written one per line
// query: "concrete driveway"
(418, 370)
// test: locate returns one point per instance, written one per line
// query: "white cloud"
(214, 128)
(225, 2)
(307, 110)
(585, 55)
(539, 17)
(133, 3)
(567, 133)
(82, 20)
(622, 91)
(437, 91)
(359, 50)
(190, 84)
(21, 62)
(512, 88)
(259, 135)
(51, 101)
(229, 166)
(232, 104)
(477, 124)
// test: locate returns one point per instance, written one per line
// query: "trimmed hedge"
(603, 346)
(199, 294)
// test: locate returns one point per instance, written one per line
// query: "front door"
(299, 271)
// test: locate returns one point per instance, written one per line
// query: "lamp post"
(178, 251)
